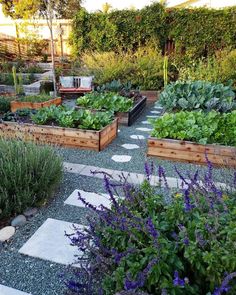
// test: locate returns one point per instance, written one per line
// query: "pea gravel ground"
(41, 277)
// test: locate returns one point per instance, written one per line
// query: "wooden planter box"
(152, 95)
(186, 151)
(17, 105)
(66, 137)
(128, 118)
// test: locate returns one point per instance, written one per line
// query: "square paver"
(10, 291)
(73, 168)
(50, 243)
(92, 198)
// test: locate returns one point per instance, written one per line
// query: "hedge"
(199, 31)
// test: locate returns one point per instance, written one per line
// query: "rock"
(30, 212)
(6, 233)
(18, 221)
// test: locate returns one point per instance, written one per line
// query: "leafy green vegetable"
(198, 95)
(66, 117)
(106, 101)
(35, 98)
(200, 127)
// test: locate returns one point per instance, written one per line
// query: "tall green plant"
(15, 79)
(165, 70)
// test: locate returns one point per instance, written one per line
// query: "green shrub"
(110, 101)
(29, 175)
(200, 127)
(228, 65)
(194, 95)
(205, 70)
(5, 104)
(159, 241)
(155, 25)
(143, 68)
(108, 66)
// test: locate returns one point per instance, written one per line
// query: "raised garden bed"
(17, 105)
(66, 137)
(187, 151)
(152, 95)
(128, 118)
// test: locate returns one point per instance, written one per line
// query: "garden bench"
(75, 85)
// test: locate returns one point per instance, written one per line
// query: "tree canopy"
(27, 8)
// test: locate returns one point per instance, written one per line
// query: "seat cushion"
(86, 82)
(67, 82)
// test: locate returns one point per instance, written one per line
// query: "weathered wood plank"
(190, 146)
(191, 152)
(68, 137)
(16, 105)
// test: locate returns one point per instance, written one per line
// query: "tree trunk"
(50, 25)
(53, 63)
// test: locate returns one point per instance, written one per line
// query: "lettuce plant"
(66, 117)
(159, 240)
(110, 101)
(212, 127)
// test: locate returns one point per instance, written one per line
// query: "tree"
(48, 9)
(106, 7)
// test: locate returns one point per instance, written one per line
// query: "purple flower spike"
(177, 280)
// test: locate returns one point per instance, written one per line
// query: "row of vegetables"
(94, 110)
(197, 111)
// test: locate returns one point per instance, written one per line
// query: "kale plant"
(195, 95)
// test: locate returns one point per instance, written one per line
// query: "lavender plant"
(145, 243)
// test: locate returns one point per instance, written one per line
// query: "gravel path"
(39, 277)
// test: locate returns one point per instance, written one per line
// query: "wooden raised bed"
(152, 95)
(66, 137)
(186, 151)
(17, 105)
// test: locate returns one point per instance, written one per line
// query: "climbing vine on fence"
(198, 32)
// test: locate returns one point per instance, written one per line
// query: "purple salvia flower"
(147, 171)
(151, 228)
(187, 203)
(177, 280)
(162, 176)
(224, 288)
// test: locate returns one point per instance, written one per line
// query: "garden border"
(191, 152)
(16, 105)
(66, 137)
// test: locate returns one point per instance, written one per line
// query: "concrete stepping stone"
(137, 136)
(90, 197)
(10, 291)
(6, 233)
(129, 146)
(152, 117)
(158, 108)
(144, 129)
(50, 243)
(156, 112)
(146, 122)
(121, 158)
